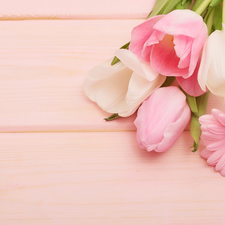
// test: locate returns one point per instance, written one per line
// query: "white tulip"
(121, 88)
(211, 73)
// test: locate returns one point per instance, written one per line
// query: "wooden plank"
(42, 68)
(70, 9)
(105, 178)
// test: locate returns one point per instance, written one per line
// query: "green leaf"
(115, 59)
(215, 3)
(186, 5)
(217, 22)
(195, 130)
(170, 6)
(183, 2)
(196, 4)
(202, 102)
(112, 117)
(157, 7)
(191, 100)
(210, 21)
(168, 81)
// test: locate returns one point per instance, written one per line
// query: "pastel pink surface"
(86, 176)
(70, 9)
(43, 65)
(105, 178)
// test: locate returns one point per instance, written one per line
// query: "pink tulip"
(172, 43)
(162, 118)
(191, 85)
(213, 137)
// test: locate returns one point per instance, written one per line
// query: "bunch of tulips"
(173, 61)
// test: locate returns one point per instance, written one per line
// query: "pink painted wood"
(93, 172)
(43, 65)
(105, 178)
(70, 9)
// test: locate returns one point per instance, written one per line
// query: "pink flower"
(213, 137)
(191, 85)
(162, 118)
(172, 43)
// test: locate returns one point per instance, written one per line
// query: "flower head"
(172, 43)
(162, 118)
(212, 68)
(123, 87)
(213, 137)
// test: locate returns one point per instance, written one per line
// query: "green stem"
(202, 7)
(210, 21)
(223, 13)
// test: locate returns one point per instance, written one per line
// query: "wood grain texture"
(42, 68)
(105, 178)
(70, 9)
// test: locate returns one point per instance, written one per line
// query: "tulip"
(191, 85)
(212, 68)
(213, 137)
(171, 43)
(162, 118)
(121, 88)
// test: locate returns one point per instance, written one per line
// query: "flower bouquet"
(173, 61)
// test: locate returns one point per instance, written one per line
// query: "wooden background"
(60, 162)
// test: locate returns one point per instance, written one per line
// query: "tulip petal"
(137, 40)
(180, 22)
(99, 74)
(174, 130)
(164, 59)
(216, 74)
(191, 85)
(130, 60)
(183, 46)
(138, 90)
(111, 93)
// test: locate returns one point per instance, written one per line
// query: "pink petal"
(216, 113)
(214, 157)
(222, 172)
(217, 129)
(222, 119)
(221, 163)
(217, 145)
(183, 45)
(140, 34)
(180, 22)
(190, 85)
(164, 59)
(197, 47)
(207, 119)
(174, 130)
(206, 154)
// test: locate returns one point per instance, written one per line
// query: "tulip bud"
(162, 118)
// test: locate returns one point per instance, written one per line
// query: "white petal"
(205, 64)
(99, 74)
(139, 89)
(216, 74)
(139, 67)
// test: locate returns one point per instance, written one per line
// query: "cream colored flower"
(123, 87)
(212, 68)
